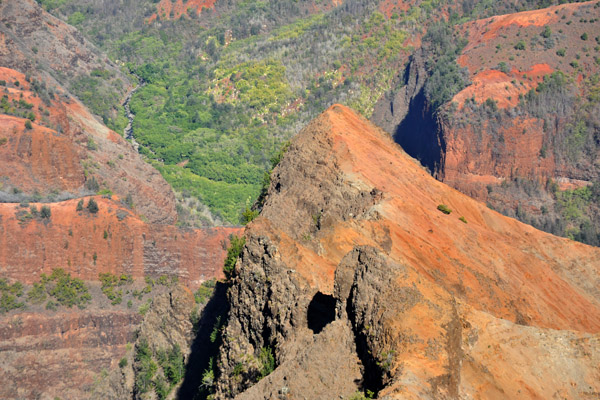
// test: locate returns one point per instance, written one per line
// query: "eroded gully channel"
(130, 116)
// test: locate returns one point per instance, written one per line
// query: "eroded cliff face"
(356, 281)
(90, 354)
(112, 240)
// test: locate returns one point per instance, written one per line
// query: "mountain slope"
(520, 133)
(351, 243)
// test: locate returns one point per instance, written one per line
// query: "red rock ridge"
(445, 308)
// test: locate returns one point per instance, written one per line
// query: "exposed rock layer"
(350, 237)
(112, 240)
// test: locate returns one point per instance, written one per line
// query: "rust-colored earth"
(497, 309)
(112, 240)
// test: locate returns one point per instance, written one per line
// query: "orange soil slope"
(55, 155)
(113, 240)
(167, 9)
(500, 307)
(493, 40)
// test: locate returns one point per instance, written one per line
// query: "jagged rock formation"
(356, 280)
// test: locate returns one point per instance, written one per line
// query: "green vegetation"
(446, 77)
(37, 294)
(444, 208)
(575, 207)
(547, 32)
(463, 219)
(205, 291)
(76, 18)
(109, 284)
(92, 206)
(236, 244)
(368, 395)
(45, 212)
(160, 370)
(267, 362)
(64, 289)
(9, 294)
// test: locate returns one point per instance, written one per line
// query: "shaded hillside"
(520, 131)
(36, 43)
(364, 273)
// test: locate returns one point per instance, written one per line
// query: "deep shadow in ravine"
(202, 348)
(418, 134)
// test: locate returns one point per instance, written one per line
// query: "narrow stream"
(130, 116)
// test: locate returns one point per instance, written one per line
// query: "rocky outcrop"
(112, 240)
(355, 280)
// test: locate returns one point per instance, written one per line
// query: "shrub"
(79, 205)
(267, 361)
(444, 208)
(28, 125)
(547, 32)
(236, 244)
(248, 215)
(45, 212)
(123, 362)
(520, 45)
(91, 144)
(37, 294)
(503, 67)
(9, 294)
(205, 291)
(92, 206)
(463, 219)
(69, 291)
(584, 36)
(561, 52)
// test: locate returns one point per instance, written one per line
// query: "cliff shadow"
(203, 349)
(418, 134)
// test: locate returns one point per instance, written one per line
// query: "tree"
(79, 205)
(92, 206)
(45, 212)
(547, 32)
